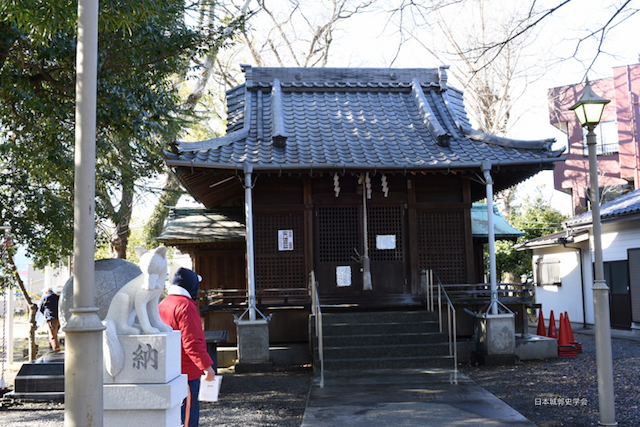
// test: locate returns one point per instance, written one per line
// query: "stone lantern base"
(253, 346)
(496, 338)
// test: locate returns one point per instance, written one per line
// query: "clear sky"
(370, 40)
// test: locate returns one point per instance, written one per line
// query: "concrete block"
(253, 341)
(227, 356)
(40, 377)
(496, 333)
(536, 347)
(142, 397)
(149, 359)
(143, 418)
(290, 355)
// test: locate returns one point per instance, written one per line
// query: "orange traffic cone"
(553, 332)
(541, 329)
(563, 339)
(565, 350)
(572, 340)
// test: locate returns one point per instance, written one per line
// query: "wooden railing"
(480, 293)
(221, 299)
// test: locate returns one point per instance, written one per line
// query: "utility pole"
(83, 350)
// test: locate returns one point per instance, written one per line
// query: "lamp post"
(589, 111)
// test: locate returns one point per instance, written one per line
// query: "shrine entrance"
(340, 246)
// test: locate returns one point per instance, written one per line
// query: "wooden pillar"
(308, 225)
(414, 260)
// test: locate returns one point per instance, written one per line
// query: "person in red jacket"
(179, 310)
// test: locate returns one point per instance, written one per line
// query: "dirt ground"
(276, 398)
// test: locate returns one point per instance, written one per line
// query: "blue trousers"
(190, 410)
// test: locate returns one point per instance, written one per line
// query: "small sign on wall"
(343, 276)
(285, 240)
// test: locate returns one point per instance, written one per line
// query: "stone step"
(386, 351)
(385, 339)
(378, 328)
(389, 363)
(379, 317)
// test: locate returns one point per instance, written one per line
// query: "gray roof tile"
(629, 204)
(354, 117)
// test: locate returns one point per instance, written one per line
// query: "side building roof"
(622, 207)
(625, 207)
(480, 224)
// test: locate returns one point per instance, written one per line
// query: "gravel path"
(537, 389)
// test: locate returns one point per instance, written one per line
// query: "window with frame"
(548, 272)
(606, 139)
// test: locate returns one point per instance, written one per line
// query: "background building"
(618, 150)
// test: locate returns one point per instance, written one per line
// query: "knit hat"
(188, 280)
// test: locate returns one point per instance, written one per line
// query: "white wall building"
(563, 265)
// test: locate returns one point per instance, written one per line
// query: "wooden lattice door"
(339, 240)
(441, 244)
(386, 225)
(338, 237)
(278, 267)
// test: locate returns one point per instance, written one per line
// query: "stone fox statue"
(138, 299)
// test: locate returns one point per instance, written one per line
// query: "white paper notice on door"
(343, 276)
(385, 241)
(285, 240)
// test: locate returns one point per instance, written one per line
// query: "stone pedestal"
(149, 359)
(149, 389)
(536, 347)
(253, 346)
(496, 338)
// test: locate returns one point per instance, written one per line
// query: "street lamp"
(589, 111)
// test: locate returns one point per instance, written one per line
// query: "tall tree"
(536, 218)
(143, 46)
(290, 33)
(454, 32)
(588, 42)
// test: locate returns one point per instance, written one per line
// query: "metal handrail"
(317, 314)
(430, 280)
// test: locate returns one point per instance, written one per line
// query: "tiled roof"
(501, 228)
(622, 207)
(201, 225)
(626, 205)
(320, 118)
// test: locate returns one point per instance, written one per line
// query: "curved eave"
(541, 144)
(177, 241)
(173, 160)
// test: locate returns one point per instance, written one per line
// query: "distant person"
(179, 310)
(49, 308)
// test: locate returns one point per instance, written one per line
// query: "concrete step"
(379, 317)
(389, 363)
(378, 328)
(385, 339)
(386, 351)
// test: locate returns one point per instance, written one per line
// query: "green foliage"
(143, 46)
(136, 238)
(536, 219)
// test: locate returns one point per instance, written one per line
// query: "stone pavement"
(405, 397)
